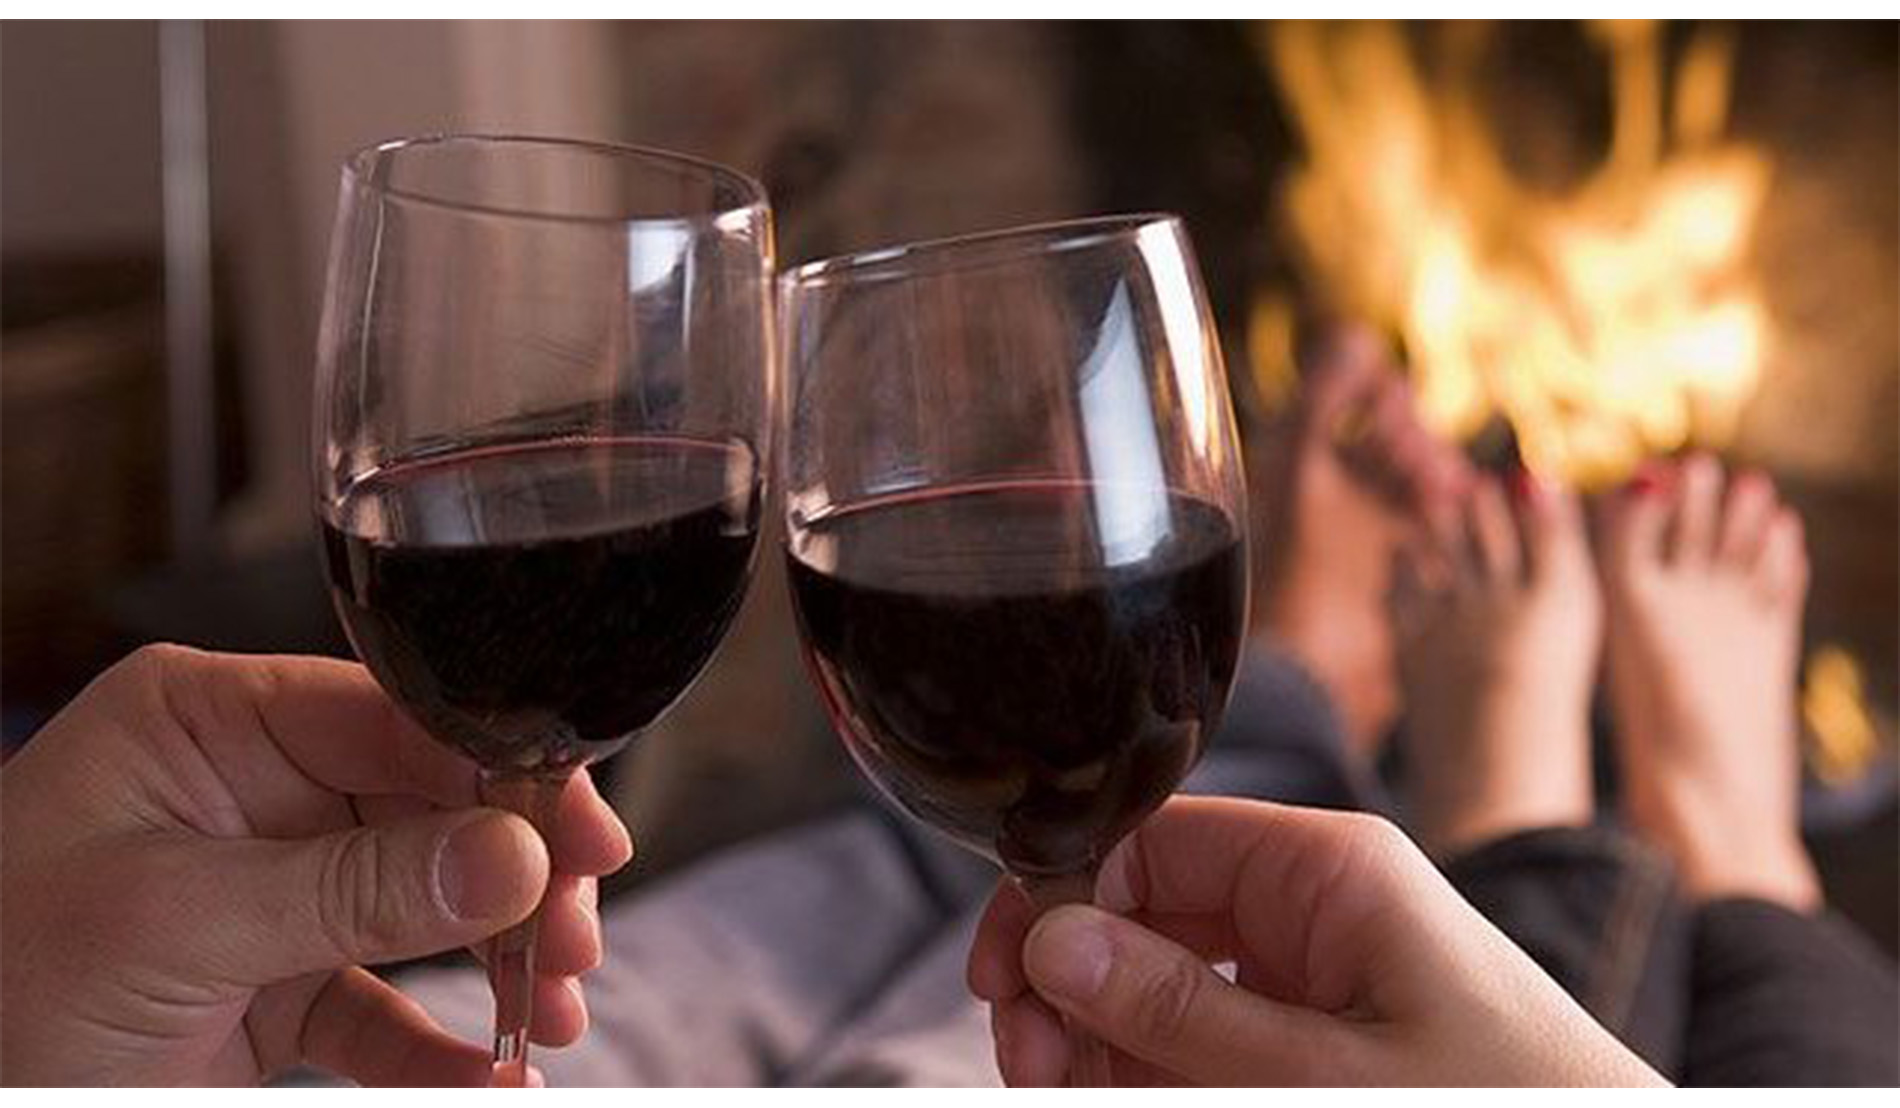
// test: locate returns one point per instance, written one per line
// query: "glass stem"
(1089, 1065)
(511, 953)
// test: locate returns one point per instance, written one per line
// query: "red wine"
(537, 604)
(999, 681)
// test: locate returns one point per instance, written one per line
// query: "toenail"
(1648, 480)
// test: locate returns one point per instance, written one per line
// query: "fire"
(1619, 321)
(1843, 737)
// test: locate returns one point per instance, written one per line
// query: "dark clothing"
(1735, 992)
(1598, 911)
(1780, 998)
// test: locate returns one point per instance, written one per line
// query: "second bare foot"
(1705, 580)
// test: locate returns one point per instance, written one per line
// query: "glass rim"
(975, 249)
(357, 165)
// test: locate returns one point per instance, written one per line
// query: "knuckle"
(161, 661)
(1166, 1001)
(1377, 835)
(158, 681)
(160, 655)
(149, 666)
(352, 911)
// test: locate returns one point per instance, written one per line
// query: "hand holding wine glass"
(542, 403)
(202, 851)
(1016, 531)
(1355, 963)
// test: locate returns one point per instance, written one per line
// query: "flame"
(1618, 321)
(1843, 738)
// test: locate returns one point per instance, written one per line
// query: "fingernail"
(476, 869)
(1068, 954)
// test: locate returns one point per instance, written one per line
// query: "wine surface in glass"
(536, 604)
(1006, 682)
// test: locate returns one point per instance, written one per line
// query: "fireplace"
(1594, 244)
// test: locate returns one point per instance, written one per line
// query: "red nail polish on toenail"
(1653, 477)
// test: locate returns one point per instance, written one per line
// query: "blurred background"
(1595, 244)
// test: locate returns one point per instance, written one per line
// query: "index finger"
(1288, 881)
(322, 720)
(1187, 863)
(1194, 852)
(338, 728)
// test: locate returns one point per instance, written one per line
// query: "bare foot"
(1498, 659)
(1354, 476)
(1705, 588)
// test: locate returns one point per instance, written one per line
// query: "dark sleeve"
(1783, 998)
(1281, 740)
(1598, 911)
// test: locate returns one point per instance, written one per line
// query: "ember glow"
(1615, 322)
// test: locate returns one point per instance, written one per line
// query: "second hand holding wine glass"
(1016, 533)
(543, 393)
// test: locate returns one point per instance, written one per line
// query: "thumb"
(372, 894)
(1159, 1002)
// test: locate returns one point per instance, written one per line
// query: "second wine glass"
(1016, 532)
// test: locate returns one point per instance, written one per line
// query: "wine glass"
(543, 393)
(1016, 532)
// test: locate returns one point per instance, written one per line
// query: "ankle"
(1518, 781)
(1781, 874)
(1450, 835)
(1720, 855)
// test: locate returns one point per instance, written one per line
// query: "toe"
(1416, 471)
(1414, 603)
(1746, 516)
(1378, 442)
(1394, 419)
(1698, 498)
(1494, 532)
(1340, 372)
(1553, 525)
(1633, 523)
(1781, 572)
(1444, 485)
